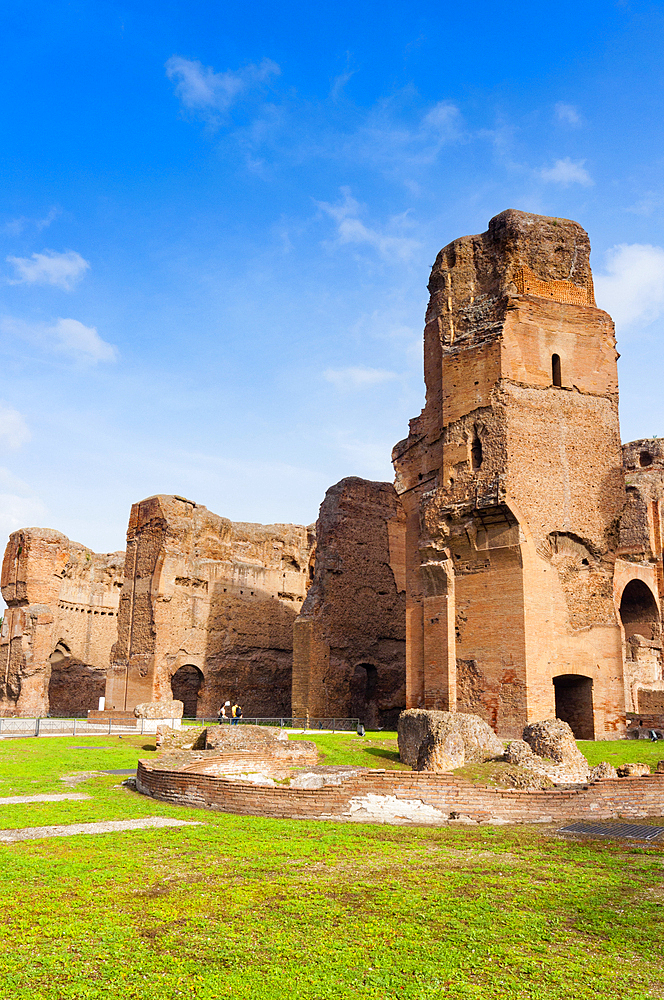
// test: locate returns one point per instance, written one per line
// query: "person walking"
(222, 715)
(234, 715)
(238, 713)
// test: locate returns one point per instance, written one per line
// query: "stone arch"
(74, 687)
(574, 704)
(186, 683)
(639, 612)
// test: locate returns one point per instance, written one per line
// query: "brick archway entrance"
(574, 704)
(185, 685)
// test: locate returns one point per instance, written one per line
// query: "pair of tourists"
(234, 713)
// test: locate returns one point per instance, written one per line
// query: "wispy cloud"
(14, 431)
(567, 114)
(567, 172)
(351, 378)
(68, 336)
(19, 506)
(632, 287)
(16, 226)
(64, 270)
(199, 88)
(351, 230)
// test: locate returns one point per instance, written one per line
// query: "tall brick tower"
(512, 483)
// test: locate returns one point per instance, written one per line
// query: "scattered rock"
(660, 767)
(187, 738)
(548, 748)
(159, 710)
(603, 770)
(480, 743)
(633, 770)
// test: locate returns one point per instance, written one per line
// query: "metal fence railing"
(81, 727)
(283, 722)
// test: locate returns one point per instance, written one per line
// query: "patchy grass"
(261, 909)
(372, 750)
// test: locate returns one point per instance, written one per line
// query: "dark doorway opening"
(363, 684)
(74, 688)
(185, 685)
(574, 704)
(556, 373)
(638, 611)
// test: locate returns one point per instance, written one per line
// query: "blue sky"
(218, 220)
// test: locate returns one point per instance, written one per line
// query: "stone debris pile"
(548, 748)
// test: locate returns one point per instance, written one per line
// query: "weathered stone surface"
(512, 483)
(480, 743)
(603, 770)
(349, 639)
(60, 623)
(167, 709)
(441, 752)
(187, 738)
(207, 610)
(633, 770)
(548, 748)
(247, 737)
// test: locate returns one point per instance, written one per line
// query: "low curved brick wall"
(402, 797)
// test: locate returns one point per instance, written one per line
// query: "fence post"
(74, 727)
(0, 723)
(37, 721)
(110, 723)
(142, 724)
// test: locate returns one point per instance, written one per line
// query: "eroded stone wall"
(207, 610)
(349, 640)
(60, 624)
(639, 581)
(512, 482)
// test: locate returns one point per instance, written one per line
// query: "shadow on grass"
(392, 755)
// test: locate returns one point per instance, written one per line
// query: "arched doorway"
(74, 688)
(185, 685)
(363, 683)
(574, 704)
(638, 611)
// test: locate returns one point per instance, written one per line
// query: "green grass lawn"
(259, 908)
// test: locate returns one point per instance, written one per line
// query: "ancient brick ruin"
(350, 637)
(514, 571)
(60, 624)
(207, 610)
(533, 578)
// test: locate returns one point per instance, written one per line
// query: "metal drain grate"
(629, 831)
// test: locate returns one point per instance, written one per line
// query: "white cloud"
(14, 431)
(632, 287)
(83, 341)
(350, 229)
(68, 336)
(567, 113)
(49, 268)
(357, 378)
(567, 172)
(200, 88)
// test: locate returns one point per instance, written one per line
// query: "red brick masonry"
(400, 797)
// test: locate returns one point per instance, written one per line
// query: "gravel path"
(113, 826)
(16, 800)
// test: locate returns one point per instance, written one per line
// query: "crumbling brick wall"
(60, 624)
(209, 605)
(349, 645)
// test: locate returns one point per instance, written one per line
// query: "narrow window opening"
(476, 453)
(556, 376)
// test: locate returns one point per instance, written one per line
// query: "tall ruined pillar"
(512, 484)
